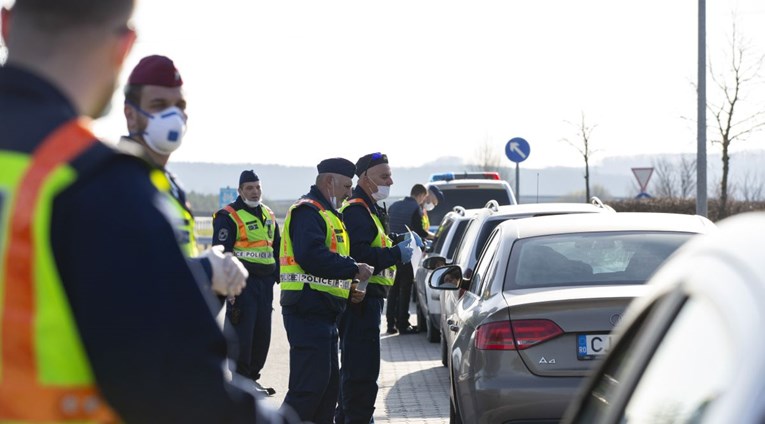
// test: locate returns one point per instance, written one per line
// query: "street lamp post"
(701, 124)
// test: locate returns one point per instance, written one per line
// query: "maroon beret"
(155, 70)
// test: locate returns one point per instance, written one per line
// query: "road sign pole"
(517, 150)
(517, 182)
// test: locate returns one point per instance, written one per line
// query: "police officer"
(407, 212)
(435, 196)
(155, 111)
(92, 270)
(360, 324)
(248, 228)
(316, 284)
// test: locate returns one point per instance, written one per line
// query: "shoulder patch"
(223, 234)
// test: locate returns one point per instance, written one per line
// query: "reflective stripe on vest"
(254, 243)
(184, 227)
(293, 277)
(44, 371)
(388, 275)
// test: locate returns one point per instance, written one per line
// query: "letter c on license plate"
(591, 346)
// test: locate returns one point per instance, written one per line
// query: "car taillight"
(515, 335)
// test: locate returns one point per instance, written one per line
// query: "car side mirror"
(433, 262)
(446, 278)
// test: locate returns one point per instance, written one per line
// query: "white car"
(448, 235)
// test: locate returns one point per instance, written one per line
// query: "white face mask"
(382, 193)
(428, 206)
(251, 203)
(165, 130)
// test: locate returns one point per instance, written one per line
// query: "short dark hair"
(133, 94)
(57, 15)
(418, 190)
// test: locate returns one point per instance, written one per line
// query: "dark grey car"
(541, 303)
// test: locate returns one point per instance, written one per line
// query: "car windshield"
(589, 259)
(468, 198)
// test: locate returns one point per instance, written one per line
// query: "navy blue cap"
(248, 176)
(437, 192)
(337, 166)
(367, 161)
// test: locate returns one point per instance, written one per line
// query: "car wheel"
(434, 335)
(444, 353)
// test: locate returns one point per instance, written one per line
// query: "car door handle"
(450, 321)
(454, 328)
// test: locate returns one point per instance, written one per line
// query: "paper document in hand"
(416, 252)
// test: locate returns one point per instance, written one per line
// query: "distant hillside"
(614, 174)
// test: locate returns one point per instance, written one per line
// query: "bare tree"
(488, 158)
(687, 175)
(665, 181)
(584, 134)
(741, 72)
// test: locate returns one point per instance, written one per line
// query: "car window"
(441, 234)
(590, 258)
(671, 388)
(488, 227)
(462, 252)
(484, 270)
(468, 198)
(457, 238)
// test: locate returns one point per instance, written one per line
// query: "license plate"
(591, 346)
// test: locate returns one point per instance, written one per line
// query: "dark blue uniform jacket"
(406, 212)
(362, 231)
(308, 233)
(144, 318)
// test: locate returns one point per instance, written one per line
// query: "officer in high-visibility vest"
(360, 324)
(435, 196)
(248, 228)
(155, 111)
(316, 284)
(101, 317)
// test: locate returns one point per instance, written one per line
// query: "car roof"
(459, 216)
(542, 208)
(620, 221)
(471, 182)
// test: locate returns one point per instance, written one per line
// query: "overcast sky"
(293, 82)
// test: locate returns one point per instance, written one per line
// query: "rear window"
(467, 197)
(589, 259)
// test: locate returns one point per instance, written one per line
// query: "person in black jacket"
(407, 212)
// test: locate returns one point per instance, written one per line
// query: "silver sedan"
(541, 303)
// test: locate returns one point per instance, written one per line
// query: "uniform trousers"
(253, 329)
(359, 329)
(314, 368)
(397, 311)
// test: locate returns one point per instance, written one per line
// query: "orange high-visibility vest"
(45, 375)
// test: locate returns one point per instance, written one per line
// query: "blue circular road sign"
(517, 149)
